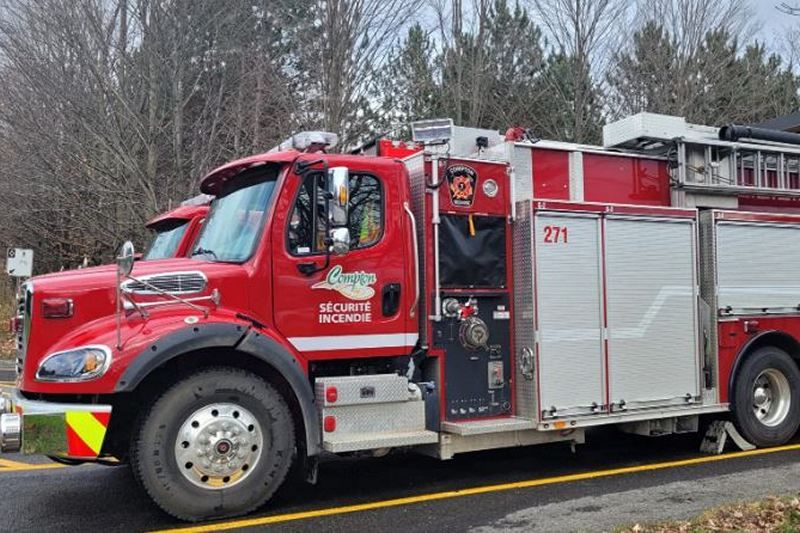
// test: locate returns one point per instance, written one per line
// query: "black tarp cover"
(472, 261)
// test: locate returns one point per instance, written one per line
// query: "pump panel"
(477, 378)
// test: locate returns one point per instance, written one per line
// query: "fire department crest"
(461, 181)
(353, 285)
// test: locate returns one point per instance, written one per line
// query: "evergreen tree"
(570, 106)
(715, 83)
(407, 85)
(643, 79)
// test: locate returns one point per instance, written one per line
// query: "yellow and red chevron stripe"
(85, 432)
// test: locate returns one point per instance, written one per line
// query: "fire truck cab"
(482, 291)
(175, 231)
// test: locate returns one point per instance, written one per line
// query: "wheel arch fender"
(270, 350)
(777, 338)
(260, 346)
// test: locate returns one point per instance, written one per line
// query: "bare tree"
(583, 32)
(788, 9)
(789, 43)
(689, 21)
(347, 43)
(587, 30)
(112, 114)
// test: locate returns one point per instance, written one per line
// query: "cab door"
(351, 305)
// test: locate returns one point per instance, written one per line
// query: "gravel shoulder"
(676, 501)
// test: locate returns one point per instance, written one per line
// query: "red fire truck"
(484, 291)
(175, 231)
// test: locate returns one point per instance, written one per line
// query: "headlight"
(78, 364)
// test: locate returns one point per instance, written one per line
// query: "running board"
(375, 441)
(717, 436)
(482, 427)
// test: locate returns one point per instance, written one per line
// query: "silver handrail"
(413, 221)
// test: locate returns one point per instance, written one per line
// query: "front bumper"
(70, 430)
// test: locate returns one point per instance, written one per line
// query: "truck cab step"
(494, 425)
(372, 441)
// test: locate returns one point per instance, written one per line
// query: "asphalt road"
(612, 480)
(7, 372)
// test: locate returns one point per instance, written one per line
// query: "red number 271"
(556, 234)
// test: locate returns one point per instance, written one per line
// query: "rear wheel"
(216, 444)
(766, 399)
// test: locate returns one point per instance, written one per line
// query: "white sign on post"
(19, 262)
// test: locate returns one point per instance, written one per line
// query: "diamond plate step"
(373, 441)
(481, 427)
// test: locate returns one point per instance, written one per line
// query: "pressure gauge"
(490, 188)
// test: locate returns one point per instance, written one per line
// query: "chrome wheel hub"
(771, 397)
(218, 445)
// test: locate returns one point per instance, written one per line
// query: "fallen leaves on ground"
(779, 515)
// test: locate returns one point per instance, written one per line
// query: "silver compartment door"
(569, 314)
(652, 312)
(757, 266)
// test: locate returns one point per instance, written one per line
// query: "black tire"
(153, 455)
(766, 359)
(66, 460)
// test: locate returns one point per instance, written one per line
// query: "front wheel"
(217, 444)
(766, 397)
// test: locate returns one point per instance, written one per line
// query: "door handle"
(307, 268)
(390, 299)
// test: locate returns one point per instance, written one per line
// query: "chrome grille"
(172, 283)
(24, 309)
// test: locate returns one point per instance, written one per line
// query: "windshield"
(236, 217)
(166, 242)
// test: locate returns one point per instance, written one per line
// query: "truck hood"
(93, 293)
(77, 273)
(105, 276)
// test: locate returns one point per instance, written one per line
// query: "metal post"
(119, 310)
(435, 220)
(758, 171)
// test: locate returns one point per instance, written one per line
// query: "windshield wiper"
(204, 251)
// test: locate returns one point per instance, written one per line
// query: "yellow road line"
(15, 466)
(7, 384)
(5, 463)
(276, 519)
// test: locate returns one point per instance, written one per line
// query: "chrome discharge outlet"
(10, 428)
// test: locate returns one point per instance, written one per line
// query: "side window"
(306, 233)
(366, 211)
(301, 223)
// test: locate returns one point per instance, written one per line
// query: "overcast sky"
(774, 23)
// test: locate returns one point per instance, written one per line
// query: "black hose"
(734, 132)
